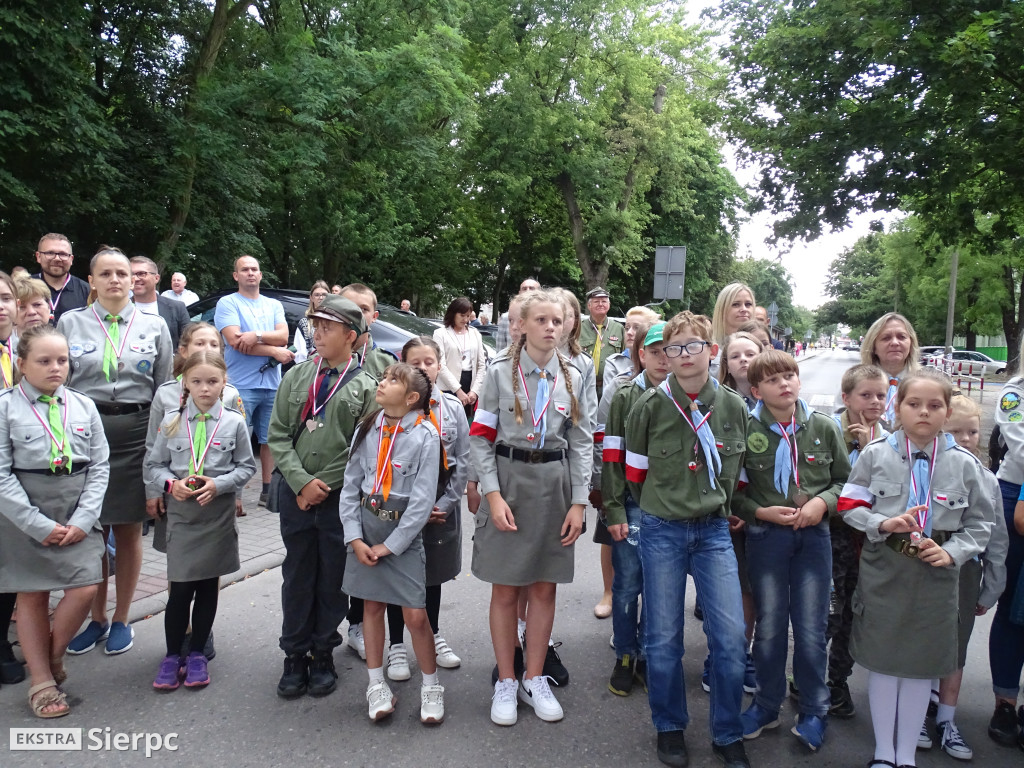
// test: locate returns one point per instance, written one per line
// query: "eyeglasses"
(143, 274)
(55, 255)
(691, 347)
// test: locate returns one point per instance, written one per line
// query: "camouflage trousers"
(846, 546)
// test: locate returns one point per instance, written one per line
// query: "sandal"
(57, 669)
(46, 694)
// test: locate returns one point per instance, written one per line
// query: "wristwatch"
(259, 337)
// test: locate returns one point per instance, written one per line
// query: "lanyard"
(55, 302)
(538, 418)
(317, 409)
(378, 481)
(124, 339)
(599, 332)
(198, 462)
(460, 344)
(922, 515)
(693, 408)
(792, 445)
(44, 422)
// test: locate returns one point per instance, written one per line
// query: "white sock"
(882, 693)
(946, 713)
(910, 713)
(376, 675)
(521, 627)
(430, 679)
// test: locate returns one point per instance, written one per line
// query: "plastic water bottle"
(633, 537)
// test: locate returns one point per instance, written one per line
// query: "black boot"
(295, 679)
(322, 677)
(11, 670)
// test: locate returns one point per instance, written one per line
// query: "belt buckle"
(909, 548)
(384, 514)
(536, 457)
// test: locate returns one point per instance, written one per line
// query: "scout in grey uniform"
(118, 363)
(53, 475)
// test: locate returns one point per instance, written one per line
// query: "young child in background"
(737, 352)
(389, 493)
(202, 458)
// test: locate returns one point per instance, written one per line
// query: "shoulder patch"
(757, 442)
(1015, 417)
(1009, 402)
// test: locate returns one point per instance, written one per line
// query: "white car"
(976, 362)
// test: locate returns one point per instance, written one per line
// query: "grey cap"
(598, 293)
(341, 311)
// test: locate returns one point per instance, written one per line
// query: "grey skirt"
(202, 542)
(443, 545)
(28, 566)
(539, 496)
(904, 615)
(395, 579)
(125, 501)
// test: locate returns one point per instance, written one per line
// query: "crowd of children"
(789, 521)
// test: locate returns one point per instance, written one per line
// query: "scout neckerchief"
(599, 331)
(115, 344)
(7, 363)
(199, 444)
(319, 394)
(56, 301)
(438, 422)
(539, 406)
(701, 428)
(60, 456)
(921, 472)
(890, 399)
(786, 455)
(386, 439)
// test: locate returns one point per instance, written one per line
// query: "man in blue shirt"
(255, 336)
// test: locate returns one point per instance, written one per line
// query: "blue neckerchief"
(705, 436)
(784, 451)
(890, 400)
(640, 380)
(919, 469)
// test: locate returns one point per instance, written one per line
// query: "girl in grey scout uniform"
(531, 443)
(925, 508)
(390, 489)
(53, 475)
(169, 396)
(442, 537)
(118, 358)
(202, 458)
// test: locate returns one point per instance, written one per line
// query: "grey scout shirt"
(414, 467)
(455, 440)
(147, 356)
(24, 444)
(228, 460)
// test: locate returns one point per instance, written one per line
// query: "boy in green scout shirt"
(316, 410)
(796, 464)
(684, 448)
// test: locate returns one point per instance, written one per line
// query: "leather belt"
(529, 457)
(120, 409)
(901, 543)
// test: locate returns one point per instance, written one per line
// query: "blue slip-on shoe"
(756, 719)
(120, 639)
(86, 640)
(810, 730)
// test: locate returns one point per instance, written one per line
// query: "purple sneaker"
(196, 675)
(169, 676)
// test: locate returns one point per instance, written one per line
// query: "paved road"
(239, 721)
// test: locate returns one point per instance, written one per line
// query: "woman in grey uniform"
(529, 432)
(53, 475)
(118, 359)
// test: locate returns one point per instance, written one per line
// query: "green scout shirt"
(377, 361)
(658, 436)
(321, 452)
(613, 339)
(613, 455)
(823, 462)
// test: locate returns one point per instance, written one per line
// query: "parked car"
(927, 353)
(978, 361)
(391, 330)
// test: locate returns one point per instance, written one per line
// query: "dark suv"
(391, 330)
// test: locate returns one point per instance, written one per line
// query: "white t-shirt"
(150, 308)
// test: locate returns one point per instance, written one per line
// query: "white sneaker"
(431, 703)
(381, 701)
(952, 742)
(924, 741)
(445, 655)
(536, 692)
(398, 662)
(355, 640)
(503, 702)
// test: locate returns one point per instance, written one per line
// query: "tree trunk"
(594, 274)
(1012, 319)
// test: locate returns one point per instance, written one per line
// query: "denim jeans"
(627, 583)
(1005, 639)
(790, 572)
(669, 550)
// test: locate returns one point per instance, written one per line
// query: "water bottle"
(633, 537)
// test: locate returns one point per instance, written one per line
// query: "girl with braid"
(531, 444)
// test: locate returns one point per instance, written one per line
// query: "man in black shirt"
(66, 291)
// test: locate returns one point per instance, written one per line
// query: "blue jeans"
(790, 572)
(669, 550)
(627, 583)
(1005, 639)
(258, 405)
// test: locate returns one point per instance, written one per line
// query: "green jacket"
(613, 339)
(323, 451)
(660, 448)
(824, 463)
(613, 453)
(377, 361)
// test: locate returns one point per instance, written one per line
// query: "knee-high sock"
(910, 712)
(883, 691)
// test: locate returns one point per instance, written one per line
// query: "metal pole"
(951, 300)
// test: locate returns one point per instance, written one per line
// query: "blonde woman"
(734, 307)
(891, 344)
